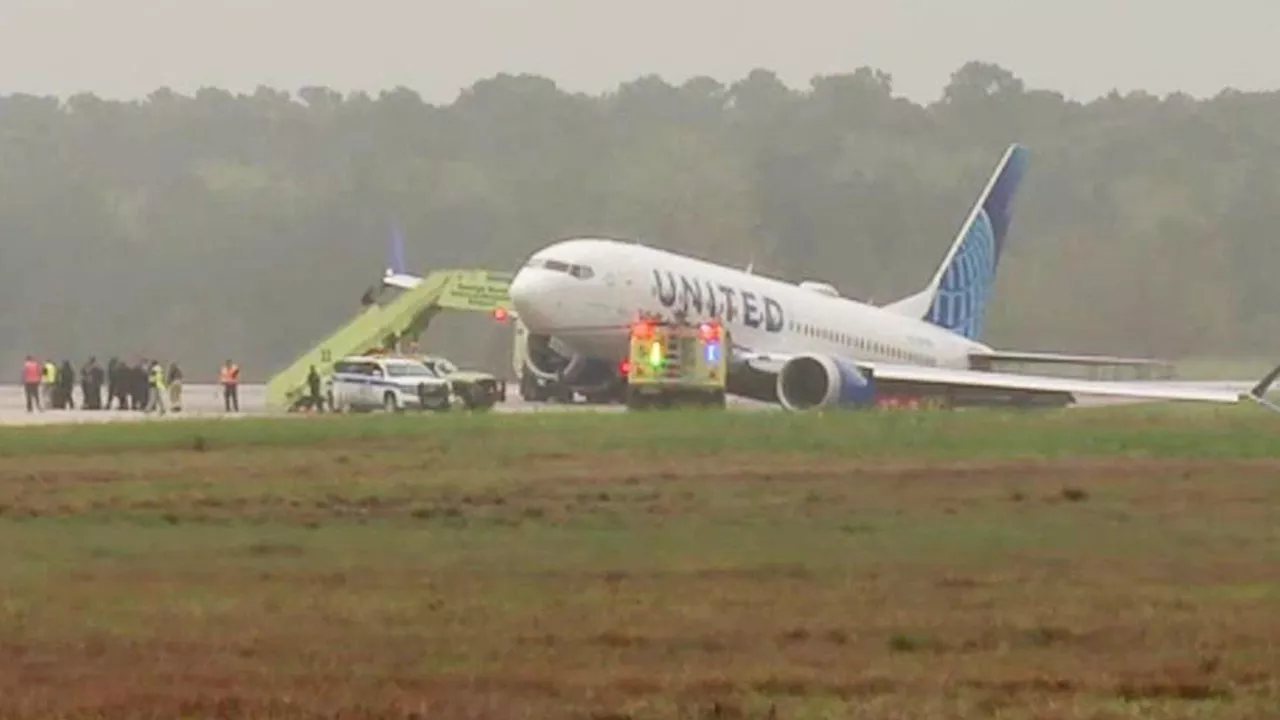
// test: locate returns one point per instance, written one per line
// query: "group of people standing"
(147, 385)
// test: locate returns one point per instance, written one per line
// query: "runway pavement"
(197, 400)
(205, 401)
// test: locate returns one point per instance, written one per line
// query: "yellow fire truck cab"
(672, 362)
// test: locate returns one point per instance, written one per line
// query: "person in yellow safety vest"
(47, 382)
(229, 376)
(156, 389)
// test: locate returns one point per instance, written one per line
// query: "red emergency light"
(500, 314)
(709, 331)
(642, 329)
(624, 367)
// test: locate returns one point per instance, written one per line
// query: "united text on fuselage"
(698, 297)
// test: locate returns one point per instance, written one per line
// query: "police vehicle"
(474, 389)
(676, 363)
(365, 382)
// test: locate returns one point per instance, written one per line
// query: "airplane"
(803, 346)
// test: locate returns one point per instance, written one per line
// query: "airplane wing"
(1032, 357)
(986, 380)
(982, 361)
(939, 378)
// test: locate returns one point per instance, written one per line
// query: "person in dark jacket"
(315, 402)
(113, 384)
(88, 389)
(96, 380)
(66, 386)
(140, 384)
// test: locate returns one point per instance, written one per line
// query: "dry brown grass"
(393, 579)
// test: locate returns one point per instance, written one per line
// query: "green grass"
(1162, 430)
(1115, 563)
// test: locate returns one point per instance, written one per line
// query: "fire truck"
(676, 363)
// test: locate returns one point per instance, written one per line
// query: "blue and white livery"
(804, 346)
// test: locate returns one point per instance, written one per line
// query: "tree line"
(194, 228)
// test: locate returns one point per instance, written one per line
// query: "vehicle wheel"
(389, 402)
(529, 390)
(469, 394)
(636, 401)
(478, 399)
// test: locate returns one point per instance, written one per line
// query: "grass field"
(1117, 563)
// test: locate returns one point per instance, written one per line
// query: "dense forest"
(215, 225)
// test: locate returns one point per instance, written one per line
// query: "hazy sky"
(1084, 48)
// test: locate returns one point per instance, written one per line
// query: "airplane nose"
(529, 293)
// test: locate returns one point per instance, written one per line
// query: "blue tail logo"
(395, 251)
(967, 276)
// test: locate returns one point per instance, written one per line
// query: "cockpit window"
(582, 272)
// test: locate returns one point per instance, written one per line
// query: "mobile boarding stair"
(385, 325)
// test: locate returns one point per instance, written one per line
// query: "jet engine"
(816, 381)
(552, 361)
(549, 359)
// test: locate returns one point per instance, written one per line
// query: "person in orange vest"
(32, 373)
(229, 376)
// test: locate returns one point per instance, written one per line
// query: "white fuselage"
(587, 291)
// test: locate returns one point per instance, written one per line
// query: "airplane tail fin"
(396, 273)
(956, 297)
(395, 252)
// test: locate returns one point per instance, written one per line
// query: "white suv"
(391, 383)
